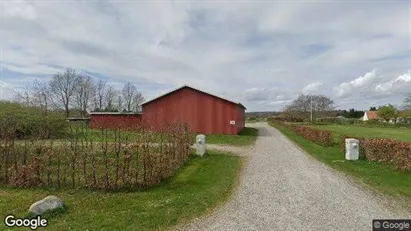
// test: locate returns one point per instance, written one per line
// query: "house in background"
(370, 115)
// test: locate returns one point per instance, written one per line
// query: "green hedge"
(368, 123)
(22, 122)
(337, 120)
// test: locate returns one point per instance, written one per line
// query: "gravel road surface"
(283, 188)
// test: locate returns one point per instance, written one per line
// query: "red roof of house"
(372, 115)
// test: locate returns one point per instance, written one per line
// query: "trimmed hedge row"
(323, 138)
(381, 150)
(125, 164)
(385, 151)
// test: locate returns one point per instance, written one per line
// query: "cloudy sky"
(261, 53)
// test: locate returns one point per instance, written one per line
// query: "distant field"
(403, 134)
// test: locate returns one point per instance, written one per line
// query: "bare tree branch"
(129, 93)
(100, 95)
(63, 86)
(84, 92)
(301, 107)
(137, 101)
(41, 95)
(111, 96)
(407, 103)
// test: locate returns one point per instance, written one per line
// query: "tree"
(352, 113)
(301, 107)
(111, 96)
(36, 95)
(63, 86)
(84, 92)
(100, 95)
(41, 95)
(373, 109)
(120, 107)
(407, 103)
(387, 112)
(322, 103)
(24, 97)
(137, 101)
(129, 93)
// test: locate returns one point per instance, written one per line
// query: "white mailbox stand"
(352, 147)
(200, 144)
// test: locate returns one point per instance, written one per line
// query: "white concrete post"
(200, 144)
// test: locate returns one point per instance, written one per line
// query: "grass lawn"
(246, 137)
(403, 134)
(382, 177)
(200, 185)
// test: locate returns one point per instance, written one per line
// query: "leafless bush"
(383, 150)
(106, 159)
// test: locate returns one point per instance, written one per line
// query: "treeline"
(352, 113)
(71, 90)
(307, 107)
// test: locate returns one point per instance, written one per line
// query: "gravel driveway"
(283, 188)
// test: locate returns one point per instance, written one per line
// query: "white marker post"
(200, 144)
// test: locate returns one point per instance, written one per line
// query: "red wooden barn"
(113, 120)
(203, 112)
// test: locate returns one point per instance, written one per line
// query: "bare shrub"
(110, 159)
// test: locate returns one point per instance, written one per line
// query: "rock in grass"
(48, 203)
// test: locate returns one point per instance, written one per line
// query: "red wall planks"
(204, 113)
(111, 121)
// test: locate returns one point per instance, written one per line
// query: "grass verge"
(382, 177)
(198, 187)
(246, 137)
(403, 134)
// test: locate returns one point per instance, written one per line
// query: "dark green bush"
(282, 119)
(329, 120)
(337, 120)
(23, 122)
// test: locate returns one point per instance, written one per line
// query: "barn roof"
(195, 89)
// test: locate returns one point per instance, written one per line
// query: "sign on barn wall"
(232, 122)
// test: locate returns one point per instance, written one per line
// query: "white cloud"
(18, 9)
(32, 69)
(215, 46)
(398, 85)
(359, 84)
(6, 92)
(312, 87)
(374, 89)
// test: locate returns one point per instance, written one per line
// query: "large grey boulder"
(48, 203)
